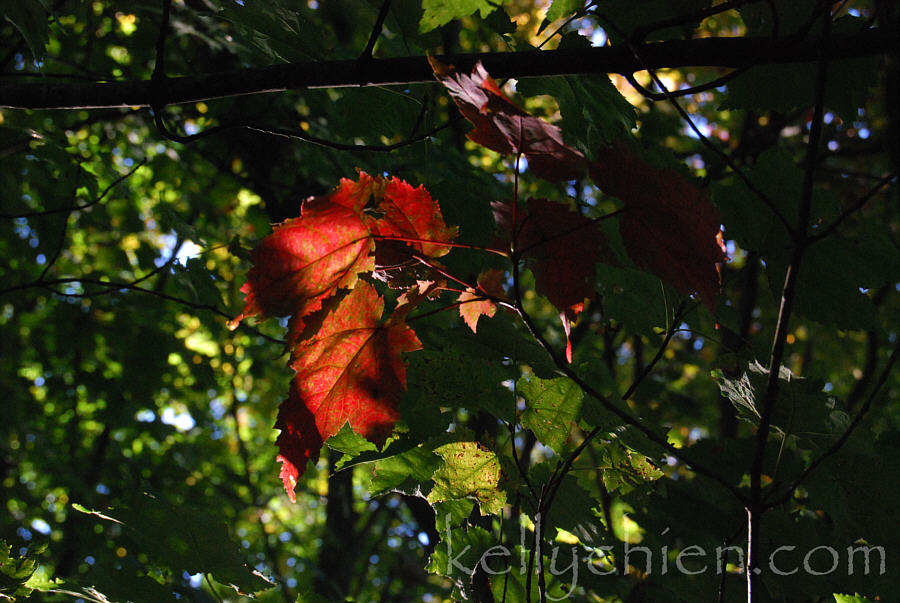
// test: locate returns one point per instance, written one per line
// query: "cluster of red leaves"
(668, 225)
(347, 359)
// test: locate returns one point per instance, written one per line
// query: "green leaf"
(15, 572)
(551, 408)
(624, 16)
(452, 512)
(31, 19)
(572, 509)
(404, 472)
(801, 408)
(624, 469)
(441, 12)
(126, 583)
(451, 379)
(635, 298)
(500, 23)
(791, 86)
(281, 30)
(350, 443)
(169, 219)
(855, 598)
(593, 111)
(828, 288)
(396, 110)
(510, 587)
(458, 554)
(748, 220)
(563, 8)
(468, 470)
(196, 278)
(852, 489)
(499, 341)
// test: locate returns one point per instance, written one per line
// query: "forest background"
(611, 401)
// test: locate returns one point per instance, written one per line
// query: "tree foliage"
(544, 300)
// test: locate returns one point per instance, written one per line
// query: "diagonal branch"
(819, 235)
(839, 443)
(376, 31)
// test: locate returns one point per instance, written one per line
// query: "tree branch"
(714, 52)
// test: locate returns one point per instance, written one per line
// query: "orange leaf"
(473, 305)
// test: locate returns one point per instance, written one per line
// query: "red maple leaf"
(669, 226)
(306, 260)
(409, 214)
(503, 127)
(299, 440)
(350, 370)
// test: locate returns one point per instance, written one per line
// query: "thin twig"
(661, 96)
(819, 235)
(756, 507)
(837, 445)
(118, 285)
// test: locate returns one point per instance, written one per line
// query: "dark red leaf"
(503, 127)
(299, 441)
(565, 248)
(669, 226)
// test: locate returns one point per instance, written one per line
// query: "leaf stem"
(439, 243)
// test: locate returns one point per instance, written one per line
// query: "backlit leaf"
(306, 260)
(409, 213)
(350, 370)
(473, 304)
(441, 12)
(468, 470)
(551, 407)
